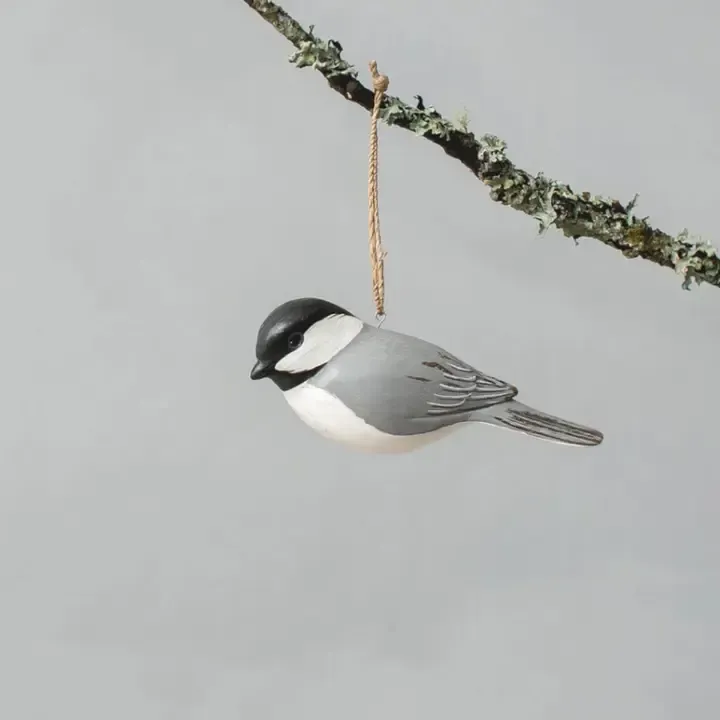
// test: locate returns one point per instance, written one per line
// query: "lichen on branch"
(549, 202)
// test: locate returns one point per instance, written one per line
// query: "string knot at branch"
(381, 83)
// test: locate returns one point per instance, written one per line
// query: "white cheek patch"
(322, 342)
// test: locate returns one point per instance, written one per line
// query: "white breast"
(328, 416)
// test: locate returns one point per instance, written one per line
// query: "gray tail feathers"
(516, 416)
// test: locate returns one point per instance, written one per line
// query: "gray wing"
(403, 385)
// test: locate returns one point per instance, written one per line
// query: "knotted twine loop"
(377, 254)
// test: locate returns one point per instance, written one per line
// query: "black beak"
(260, 370)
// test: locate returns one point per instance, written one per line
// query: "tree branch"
(549, 202)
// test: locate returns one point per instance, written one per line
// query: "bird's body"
(383, 391)
(327, 415)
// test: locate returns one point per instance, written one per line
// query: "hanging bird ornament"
(378, 390)
(381, 391)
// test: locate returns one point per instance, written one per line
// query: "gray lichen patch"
(422, 122)
(694, 259)
(280, 20)
(323, 56)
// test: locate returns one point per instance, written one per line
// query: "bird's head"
(299, 337)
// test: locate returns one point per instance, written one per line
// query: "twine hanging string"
(377, 254)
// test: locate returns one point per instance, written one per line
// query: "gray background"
(174, 543)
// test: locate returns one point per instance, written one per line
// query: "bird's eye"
(295, 340)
